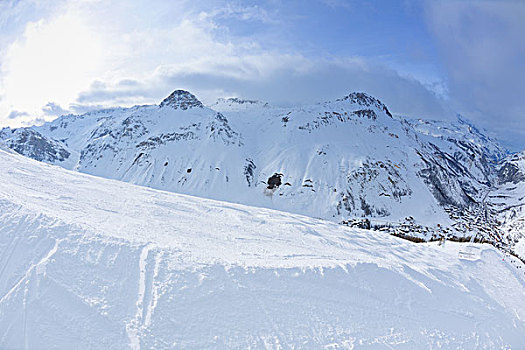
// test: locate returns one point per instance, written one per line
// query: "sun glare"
(52, 62)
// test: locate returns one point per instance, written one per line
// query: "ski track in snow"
(135, 326)
(95, 263)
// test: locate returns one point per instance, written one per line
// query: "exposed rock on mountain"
(363, 99)
(181, 99)
(507, 202)
(32, 144)
(236, 104)
(513, 169)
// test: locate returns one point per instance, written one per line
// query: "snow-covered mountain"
(337, 160)
(32, 144)
(508, 201)
(87, 262)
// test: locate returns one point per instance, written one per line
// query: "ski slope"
(87, 262)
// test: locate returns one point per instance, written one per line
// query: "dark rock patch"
(510, 172)
(180, 99)
(249, 170)
(274, 181)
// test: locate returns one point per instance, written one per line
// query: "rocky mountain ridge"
(339, 160)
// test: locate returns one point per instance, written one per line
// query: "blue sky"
(429, 59)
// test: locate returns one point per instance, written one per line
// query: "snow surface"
(87, 262)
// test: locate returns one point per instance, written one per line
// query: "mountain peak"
(365, 99)
(181, 99)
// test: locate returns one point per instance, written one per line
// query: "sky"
(426, 59)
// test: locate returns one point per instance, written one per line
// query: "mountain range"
(349, 160)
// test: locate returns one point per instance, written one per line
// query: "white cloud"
(17, 114)
(245, 13)
(54, 109)
(52, 61)
(105, 53)
(483, 48)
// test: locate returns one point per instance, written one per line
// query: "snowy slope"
(88, 262)
(337, 160)
(474, 154)
(508, 201)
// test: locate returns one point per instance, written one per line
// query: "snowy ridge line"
(115, 265)
(93, 204)
(100, 216)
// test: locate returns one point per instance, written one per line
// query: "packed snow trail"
(96, 263)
